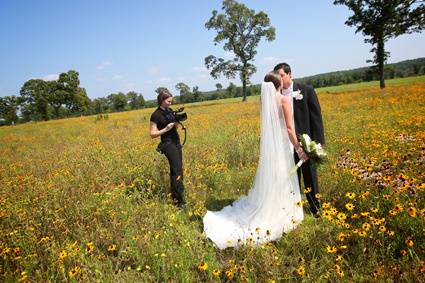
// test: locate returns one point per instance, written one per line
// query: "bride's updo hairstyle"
(274, 78)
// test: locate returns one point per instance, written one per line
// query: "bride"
(272, 206)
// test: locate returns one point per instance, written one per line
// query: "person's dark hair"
(163, 95)
(286, 68)
(274, 78)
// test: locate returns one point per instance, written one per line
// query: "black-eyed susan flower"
(230, 274)
(203, 266)
(216, 272)
(89, 247)
(382, 228)
(374, 210)
(341, 236)
(366, 226)
(350, 195)
(391, 233)
(403, 252)
(301, 270)
(341, 216)
(362, 233)
(411, 211)
(409, 243)
(349, 206)
(112, 248)
(63, 254)
(338, 258)
(73, 272)
(331, 250)
(398, 208)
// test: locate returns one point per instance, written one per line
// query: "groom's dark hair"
(286, 68)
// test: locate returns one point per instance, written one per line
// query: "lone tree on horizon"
(380, 20)
(241, 29)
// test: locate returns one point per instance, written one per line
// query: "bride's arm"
(287, 112)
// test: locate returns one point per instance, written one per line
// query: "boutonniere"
(297, 95)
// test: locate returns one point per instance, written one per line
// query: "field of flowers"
(85, 199)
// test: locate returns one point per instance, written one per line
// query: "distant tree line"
(188, 95)
(397, 70)
(41, 100)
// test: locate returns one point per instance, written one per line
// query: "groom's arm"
(316, 121)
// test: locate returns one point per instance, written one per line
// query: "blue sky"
(141, 45)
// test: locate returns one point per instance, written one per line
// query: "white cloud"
(117, 77)
(103, 65)
(270, 59)
(51, 77)
(229, 54)
(164, 80)
(200, 69)
(47, 78)
(153, 70)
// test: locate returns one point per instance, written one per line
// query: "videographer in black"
(163, 123)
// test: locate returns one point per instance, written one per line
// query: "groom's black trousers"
(173, 152)
(310, 181)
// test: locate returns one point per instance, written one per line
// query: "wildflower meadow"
(86, 199)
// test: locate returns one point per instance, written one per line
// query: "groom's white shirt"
(290, 92)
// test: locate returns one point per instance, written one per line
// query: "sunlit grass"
(86, 200)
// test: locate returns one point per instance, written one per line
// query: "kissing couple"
(273, 204)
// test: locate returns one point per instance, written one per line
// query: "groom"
(308, 120)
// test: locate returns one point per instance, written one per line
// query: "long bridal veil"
(271, 206)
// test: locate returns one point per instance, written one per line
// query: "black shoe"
(181, 205)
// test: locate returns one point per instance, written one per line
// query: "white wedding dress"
(270, 208)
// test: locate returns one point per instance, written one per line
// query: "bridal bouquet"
(314, 151)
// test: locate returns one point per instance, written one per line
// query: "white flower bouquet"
(314, 151)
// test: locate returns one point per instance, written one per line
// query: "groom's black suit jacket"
(307, 113)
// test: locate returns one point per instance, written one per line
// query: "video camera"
(176, 115)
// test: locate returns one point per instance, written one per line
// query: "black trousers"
(173, 152)
(310, 181)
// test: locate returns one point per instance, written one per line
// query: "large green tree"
(35, 99)
(241, 30)
(380, 20)
(135, 100)
(185, 94)
(8, 109)
(117, 101)
(159, 89)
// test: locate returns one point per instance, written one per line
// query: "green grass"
(90, 197)
(366, 85)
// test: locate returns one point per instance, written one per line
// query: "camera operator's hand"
(170, 126)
